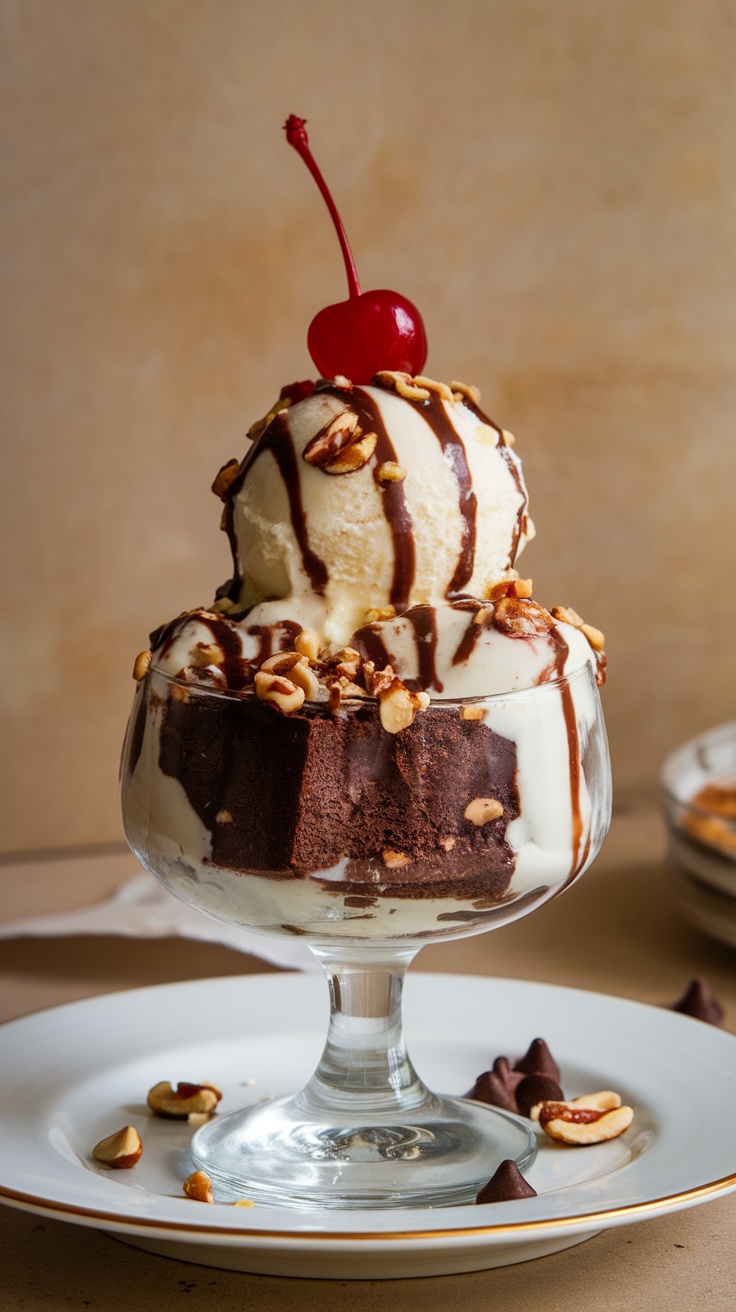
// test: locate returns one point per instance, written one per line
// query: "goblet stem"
(364, 1131)
(365, 1061)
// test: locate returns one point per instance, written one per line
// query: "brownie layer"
(293, 795)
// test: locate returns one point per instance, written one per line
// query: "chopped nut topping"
(338, 433)
(510, 588)
(440, 388)
(507, 438)
(567, 615)
(397, 710)
(198, 1186)
(390, 472)
(282, 662)
(348, 689)
(448, 843)
(377, 613)
(380, 682)
(394, 859)
(223, 818)
(521, 617)
(307, 644)
(121, 1150)
(223, 604)
(483, 616)
(463, 390)
(483, 809)
(594, 636)
(306, 679)
(207, 653)
(403, 384)
(398, 707)
(279, 408)
(282, 692)
(141, 666)
(346, 663)
(353, 457)
(473, 712)
(296, 667)
(225, 478)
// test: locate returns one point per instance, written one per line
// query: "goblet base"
(437, 1153)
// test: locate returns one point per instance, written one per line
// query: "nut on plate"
(198, 1187)
(120, 1150)
(186, 1099)
(594, 1118)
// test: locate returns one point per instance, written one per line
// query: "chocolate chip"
(497, 1087)
(506, 1184)
(699, 1001)
(538, 1060)
(535, 1089)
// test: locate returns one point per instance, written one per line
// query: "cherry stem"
(296, 136)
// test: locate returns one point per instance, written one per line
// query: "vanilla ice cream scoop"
(368, 497)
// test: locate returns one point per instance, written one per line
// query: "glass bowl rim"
(586, 669)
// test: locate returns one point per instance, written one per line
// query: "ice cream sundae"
(373, 736)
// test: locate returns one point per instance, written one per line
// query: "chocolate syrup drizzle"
(561, 650)
(453, 449)
(423, 620)
(393, 498)
(513, 468)
(277, 439)
(236, 669)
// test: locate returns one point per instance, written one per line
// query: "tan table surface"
(618, 932)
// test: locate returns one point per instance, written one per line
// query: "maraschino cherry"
(370, 331)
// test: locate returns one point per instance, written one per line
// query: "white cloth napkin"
(142, 908)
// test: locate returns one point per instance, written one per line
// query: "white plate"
(76, 1073)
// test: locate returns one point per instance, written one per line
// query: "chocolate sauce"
(573, 752)
(369, 642)
(277, 439)
(513, 468)
(453, 449)
(423, 620)
(273, 638)
(467, 643)
(393, 499)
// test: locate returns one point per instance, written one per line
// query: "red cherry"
(370, 331)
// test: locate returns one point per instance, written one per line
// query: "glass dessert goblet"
(368, 844)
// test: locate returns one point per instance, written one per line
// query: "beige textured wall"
(553, 184)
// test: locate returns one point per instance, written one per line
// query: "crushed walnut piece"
(225, 478)
(401, 383)
(465, 392)
(566, 615)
